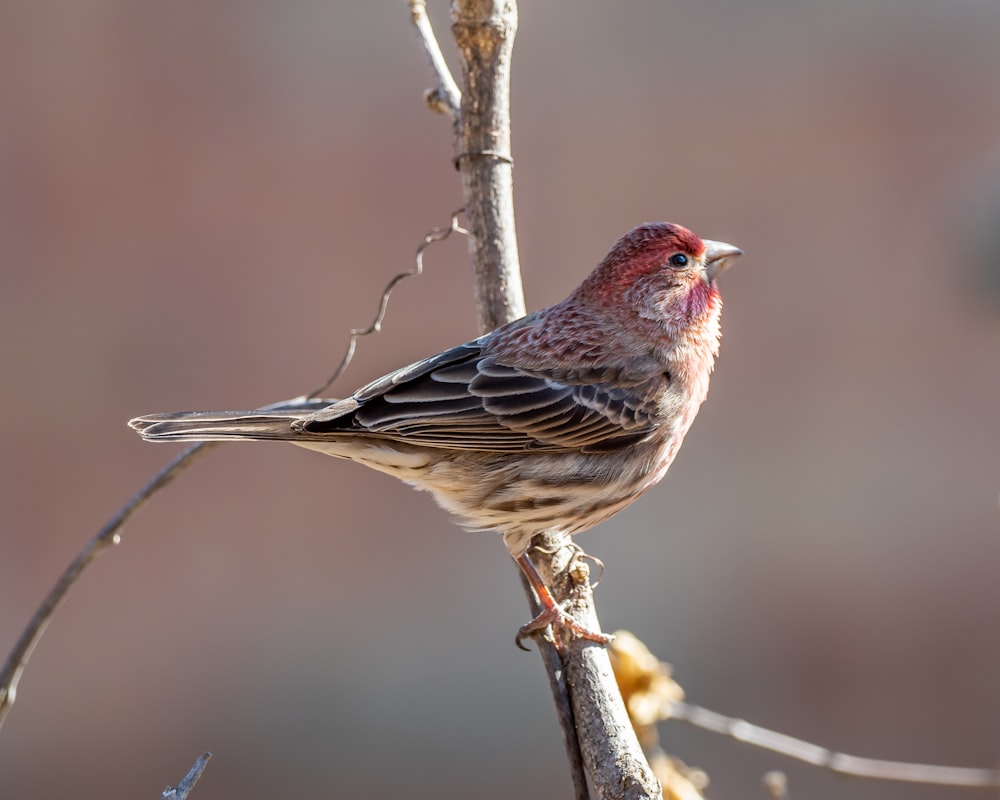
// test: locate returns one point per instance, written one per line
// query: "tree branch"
(840, 763)
(611, 751)
(446, 98)
(183, 789)
(556, 672)
(106, 538)
(484, 31)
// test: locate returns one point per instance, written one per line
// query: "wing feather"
(463, 399)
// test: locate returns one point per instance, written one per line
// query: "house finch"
(551, 423)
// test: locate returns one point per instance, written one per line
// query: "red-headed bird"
(549, 424)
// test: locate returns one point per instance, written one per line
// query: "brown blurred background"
(197, 200)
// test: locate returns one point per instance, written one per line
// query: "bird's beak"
(719, 257)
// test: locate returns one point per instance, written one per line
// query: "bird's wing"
(462, 399)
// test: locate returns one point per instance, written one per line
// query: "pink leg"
(551, 614)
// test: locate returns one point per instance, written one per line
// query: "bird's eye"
(678, 260)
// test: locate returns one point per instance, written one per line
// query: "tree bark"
(484, 31)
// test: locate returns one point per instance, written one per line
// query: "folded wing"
(462, 399)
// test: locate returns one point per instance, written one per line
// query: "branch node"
(447, 99)
(485, 154)
(437, 102)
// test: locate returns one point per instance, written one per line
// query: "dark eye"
(678, 260)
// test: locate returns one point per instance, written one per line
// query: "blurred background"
(198, 200)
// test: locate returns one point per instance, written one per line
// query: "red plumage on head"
(643, 251)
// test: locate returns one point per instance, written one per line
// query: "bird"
(551, 423)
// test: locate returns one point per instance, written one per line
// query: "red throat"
(701, 297)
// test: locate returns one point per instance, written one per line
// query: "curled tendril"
(432, 236)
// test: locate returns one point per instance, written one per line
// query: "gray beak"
(719, 257)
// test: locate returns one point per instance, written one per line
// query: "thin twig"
(110, 534)
(432, 236)
(446, 98)
(840, 763)
(106, 537)
(183, 789)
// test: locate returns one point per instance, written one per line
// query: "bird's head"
(663, 273)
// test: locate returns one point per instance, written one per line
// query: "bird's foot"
(560, 621)
(553, 615)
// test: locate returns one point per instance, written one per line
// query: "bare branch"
(446, 98)
(840, 763)
(553, 664)
(484, 31)
(611, 751)
(183, 789)
(106, 537)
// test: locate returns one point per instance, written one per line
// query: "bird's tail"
(209, 426)
(274, 422)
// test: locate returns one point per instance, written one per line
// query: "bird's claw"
(560, 621)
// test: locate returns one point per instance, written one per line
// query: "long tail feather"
(205, 426)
